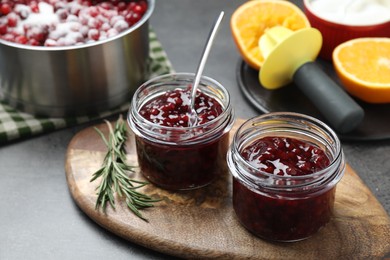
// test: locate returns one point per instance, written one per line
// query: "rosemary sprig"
(114, 174)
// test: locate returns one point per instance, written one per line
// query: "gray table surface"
(38, 218)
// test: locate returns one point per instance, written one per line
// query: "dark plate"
(375, 126)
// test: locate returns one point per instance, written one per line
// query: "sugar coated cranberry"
(108, 17)
(34, 6)
(12, 20)
(93, 34)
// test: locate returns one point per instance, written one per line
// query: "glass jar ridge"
(262, 201)
(181, 158)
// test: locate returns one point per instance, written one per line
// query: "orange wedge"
(363, 66)
(251, 19)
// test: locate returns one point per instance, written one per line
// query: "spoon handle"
(202, 62)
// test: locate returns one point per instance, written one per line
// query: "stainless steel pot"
(75, 80)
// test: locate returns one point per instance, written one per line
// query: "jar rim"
(335, 160)
(225, 119)
(189, 75)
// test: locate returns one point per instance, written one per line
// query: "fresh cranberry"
(5, 9)
(3, 29)
(21, 39)
(132, 18)
(86, 3)
(131, 6)
(137, 9)
(121, 6)
(106, 5)
(143, 6)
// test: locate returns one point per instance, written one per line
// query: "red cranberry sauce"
(65, 22)
(180, 167)
(173, 107)
(281, 219)
(276, 216)
(285, 156)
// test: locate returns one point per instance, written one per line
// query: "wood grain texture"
(202, 223)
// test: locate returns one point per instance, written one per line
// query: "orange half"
(363, 66)
(253, 18)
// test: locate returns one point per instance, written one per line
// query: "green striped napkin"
(17, 125)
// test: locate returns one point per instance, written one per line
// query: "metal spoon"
(193, 115)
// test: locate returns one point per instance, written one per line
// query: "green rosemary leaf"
(114, 174)
(111, 198)
(118, 169)
(142, 183)
(135, 210)
(116, 187)
(101, 135)
(97, 174)
(141, 203)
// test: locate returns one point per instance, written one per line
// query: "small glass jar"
(284, 208)
(181, 158)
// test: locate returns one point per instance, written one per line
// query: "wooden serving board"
(202, 223)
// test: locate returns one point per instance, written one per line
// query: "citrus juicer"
(289, 56)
